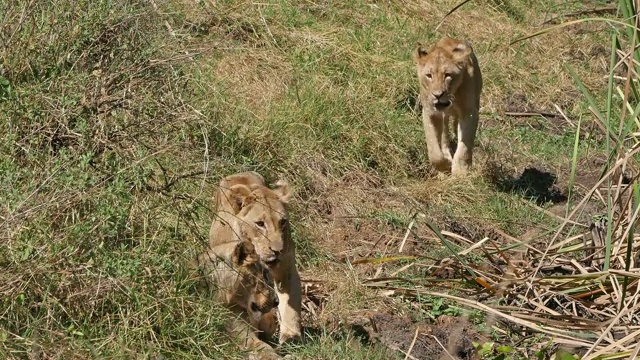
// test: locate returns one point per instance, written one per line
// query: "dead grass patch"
(258, 78)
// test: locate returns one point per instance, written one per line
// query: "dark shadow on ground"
(535, 184)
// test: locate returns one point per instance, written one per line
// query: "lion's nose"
(438, 94)
(441, 102)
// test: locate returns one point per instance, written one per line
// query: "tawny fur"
(246, 209)
(450, 87)
(243, 284)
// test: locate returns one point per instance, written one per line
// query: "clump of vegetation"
(118, 120)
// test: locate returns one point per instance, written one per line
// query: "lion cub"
(248, 210)
(450, 87)
(244, 285)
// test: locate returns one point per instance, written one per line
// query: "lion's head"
(441, 71)
(262, 219)
(253, 288)
(239, 278)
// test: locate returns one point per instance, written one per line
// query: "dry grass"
(122, 118)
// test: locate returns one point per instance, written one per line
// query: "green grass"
(345, 345)
(118, 119)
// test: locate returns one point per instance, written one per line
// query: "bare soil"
(449, 335)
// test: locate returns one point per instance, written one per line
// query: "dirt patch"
(453, 334)
(588, 172)
(356, 215)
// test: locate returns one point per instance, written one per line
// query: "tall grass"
(607, 271)
(582, 289)
(621, 125)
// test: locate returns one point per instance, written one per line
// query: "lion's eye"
(260, 224)
(429, 76)
(447, 75)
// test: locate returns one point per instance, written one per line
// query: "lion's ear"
(244, 254)
(420, 52)
(241, 195)
(462, 50)
(283, 190)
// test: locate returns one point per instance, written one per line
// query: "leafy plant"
(489, 350)
(6, 90)
(439, 307)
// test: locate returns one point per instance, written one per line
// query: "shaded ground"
(448, 336)
(538, 185)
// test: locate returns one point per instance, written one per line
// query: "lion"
(244, 285)
(450, 87)
(246, 209)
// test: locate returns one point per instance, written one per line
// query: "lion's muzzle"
(441, 100)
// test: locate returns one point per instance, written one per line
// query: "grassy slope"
(125, 116)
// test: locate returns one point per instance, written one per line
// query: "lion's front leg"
(437, 136)
(290, 303)
(463, 157)
(245, 333)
